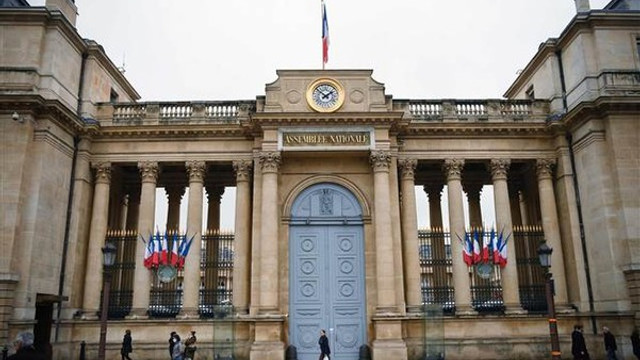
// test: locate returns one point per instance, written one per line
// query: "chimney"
(582, 6)
(66, 7)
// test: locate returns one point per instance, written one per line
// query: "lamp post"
(108, 258)
(544, 254)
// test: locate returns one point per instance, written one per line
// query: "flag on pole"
(325, 36)
(164, 249)
(148, 252)
(174, 249)
(467, 250)
(477, 255)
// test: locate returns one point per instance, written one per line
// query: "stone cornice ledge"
(9, 277)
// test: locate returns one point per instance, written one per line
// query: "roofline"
(579, 22)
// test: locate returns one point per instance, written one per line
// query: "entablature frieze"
(393, 119)
(174, 131)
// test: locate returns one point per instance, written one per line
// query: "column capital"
(407, 168)
(380, 160)
(433, 191)
(242, 169)
(214, 193)
(149, 171)
(499, 168)
(270, 161)
(473, 190)
(174, 192)
(544, 168)
(103, 172)
(196, 170)
(453, 168)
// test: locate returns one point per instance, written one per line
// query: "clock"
(325, 95)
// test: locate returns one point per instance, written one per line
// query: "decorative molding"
(544, 168)
(103, 172)
(407, 168)
(196, 170)
(453, 168)
(499, 168)
(270, 161)
(380, 160)
(242, 169)
(149, 171)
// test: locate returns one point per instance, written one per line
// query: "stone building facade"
(325, 165)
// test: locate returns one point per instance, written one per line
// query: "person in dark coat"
(324, 345)
(609, 344)
(190, 347)
(172, 343)
(635, 343)
(578, 346)
(25, 349)
(127, 348)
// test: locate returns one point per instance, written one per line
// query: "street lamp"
(108, 259)
(544, 254)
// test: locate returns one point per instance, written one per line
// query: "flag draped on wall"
(325, 36)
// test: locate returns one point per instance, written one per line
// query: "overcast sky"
(228, 50)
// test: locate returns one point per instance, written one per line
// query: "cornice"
(601, 108)
(580, 23)
(182, 131)
(487, 129)
(96, 51)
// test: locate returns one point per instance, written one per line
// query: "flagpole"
(322, 23)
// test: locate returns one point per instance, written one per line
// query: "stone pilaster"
(269, 256)
(97, 235)
(146, 218)
(380, 161)
(510, 289)
(196, 171)
(551, 228)
(453, 171)
(242, 259)
(410, 235)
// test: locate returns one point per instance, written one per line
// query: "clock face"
(325, 95)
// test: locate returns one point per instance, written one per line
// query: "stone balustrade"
(478, 110)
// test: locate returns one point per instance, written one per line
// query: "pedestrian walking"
(24, 348)
(172, 343)
(609, 343)
(325, 352)
(190, 347)
(635, 342)
(178, 349)
(578, 345)
(127, 347)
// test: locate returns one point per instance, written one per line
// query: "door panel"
(327, 290)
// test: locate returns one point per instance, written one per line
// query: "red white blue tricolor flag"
(325, 36)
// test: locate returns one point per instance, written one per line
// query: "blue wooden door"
(327, 280)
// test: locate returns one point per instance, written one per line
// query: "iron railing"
(531, 276)
(165, 303)
(436, 268)
(217, 267)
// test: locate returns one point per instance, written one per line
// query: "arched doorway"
(327, 279)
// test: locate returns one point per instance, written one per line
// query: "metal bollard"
(83, 346)
(365, 353)
(5, 353)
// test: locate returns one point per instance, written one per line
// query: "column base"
(186, 314)
(386, 311)
(267, 350)
(91, 315)
(565, 309)
(389, 349)
(465, 310)
(414, 309)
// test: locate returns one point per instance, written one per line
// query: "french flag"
(486, 244)
(183, 250)
(477, 256)
(148, 253)
(325, 36)
(174, 250)
(157, 250)
(164, 254)
(467, 250)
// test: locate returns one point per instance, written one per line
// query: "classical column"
(385, 274)
(510, 288)
(214, 196)
(410, 235)
(174, 197)
(124, 211)
(146, 219)
(453, 171)
(196, 171)
(434, 194)
(550, 226)
(242, 259)
(97, 235)
(270, 162)
(473, 191)
(133, 210)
